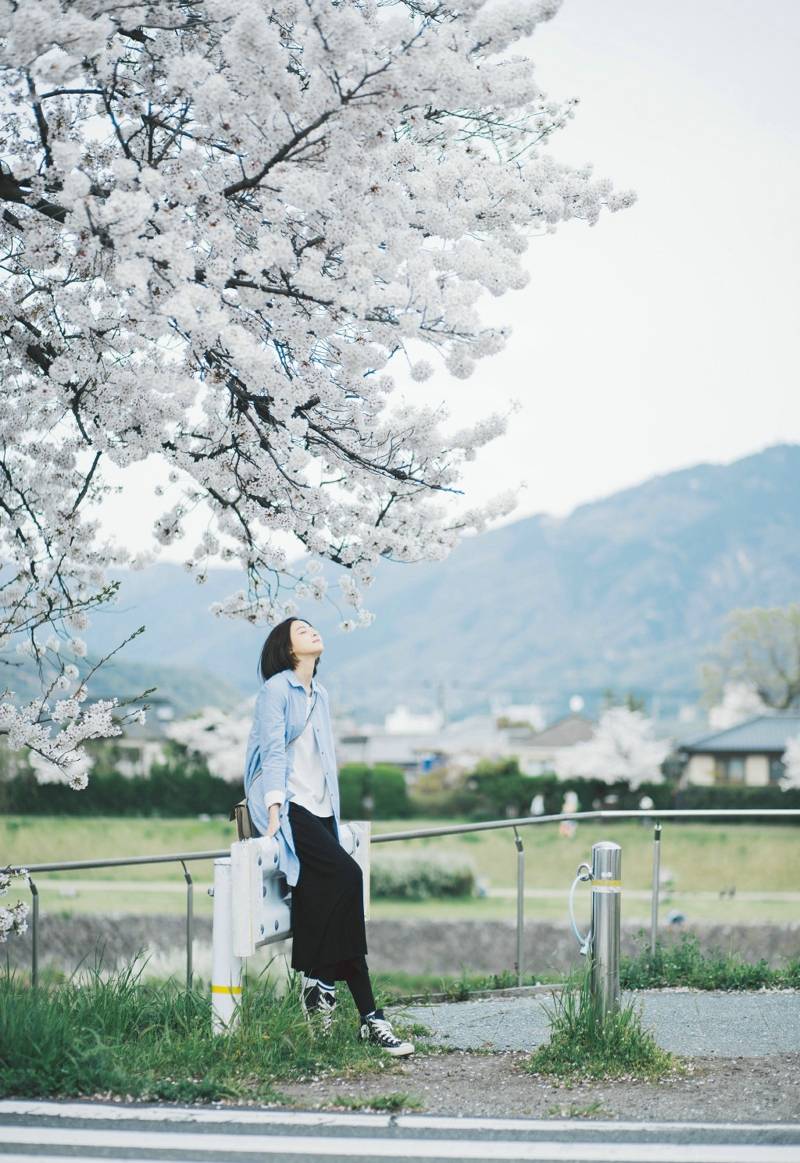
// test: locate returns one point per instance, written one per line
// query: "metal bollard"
(34, 934)
(606, 909)
(226, 970)
(656, 886)
(189, 925)
(520, 907)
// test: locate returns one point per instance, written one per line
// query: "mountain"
(625, 593)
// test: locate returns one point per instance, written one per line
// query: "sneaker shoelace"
(383, 1032)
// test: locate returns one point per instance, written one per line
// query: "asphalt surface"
(747, 1025)
(31, 1131)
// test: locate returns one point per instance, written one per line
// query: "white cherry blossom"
(224, 223)
(623, 746)
(13, 918)
(219, 736)
(791, 759)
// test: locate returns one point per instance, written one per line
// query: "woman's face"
(306, 642)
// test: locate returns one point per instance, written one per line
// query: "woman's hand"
(274, 819)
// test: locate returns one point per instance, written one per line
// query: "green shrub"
(740, 797)
(180, 786)
(583, 1046)
(500, 789)
(353, 789)
(684, 963)
(383, 785)
(445, 805)
(389, 793)
(417, 878)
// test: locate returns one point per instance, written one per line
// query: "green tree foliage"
(761, 648)
(632, 701)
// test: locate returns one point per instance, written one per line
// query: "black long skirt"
(328, 899)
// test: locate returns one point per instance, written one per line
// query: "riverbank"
(408, 952)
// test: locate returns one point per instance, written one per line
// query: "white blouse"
(306, 783)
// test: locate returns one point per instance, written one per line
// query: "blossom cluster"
(59, 757)
(791, 760)
(13, 918)
(220, 737)
(623, 746)
(223, 220)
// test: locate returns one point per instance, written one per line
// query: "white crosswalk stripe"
(326, 1147)
(87, 1133)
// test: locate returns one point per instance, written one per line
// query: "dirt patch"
(496, 1085)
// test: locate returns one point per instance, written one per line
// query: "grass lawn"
(121, 1036)
(698, 859)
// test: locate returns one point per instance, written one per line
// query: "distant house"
(540, 752)
(750, 753)
(462, 744)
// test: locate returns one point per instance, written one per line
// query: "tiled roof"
(759, 736)
(565, 732)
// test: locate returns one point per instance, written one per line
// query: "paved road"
(750, 1025)
(32, 1132)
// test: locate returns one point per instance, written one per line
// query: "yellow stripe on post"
(607, 883)
(232, 989)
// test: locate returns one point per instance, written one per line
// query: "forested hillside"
(626, 592)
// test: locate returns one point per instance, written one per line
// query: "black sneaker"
(377, 1029)
(318, 1001)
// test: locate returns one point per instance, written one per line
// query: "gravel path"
(743, 1052)
(485, 1085)
(752, 1025)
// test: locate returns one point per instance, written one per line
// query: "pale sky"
(665, 335)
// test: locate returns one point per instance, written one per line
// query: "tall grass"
(113, 1034)
(582, 1045)
(684, 963)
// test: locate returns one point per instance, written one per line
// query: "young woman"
(293, 794)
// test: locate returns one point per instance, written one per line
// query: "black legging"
(330, 940)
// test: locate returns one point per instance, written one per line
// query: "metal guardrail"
(418, 834)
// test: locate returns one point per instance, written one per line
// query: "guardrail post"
(34, 934)
(520, 906)
(606, 902)
(189, 925)
(656, 887)
(226, 970)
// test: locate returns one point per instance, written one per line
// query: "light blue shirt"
(280, 716)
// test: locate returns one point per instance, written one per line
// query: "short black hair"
(277, 653)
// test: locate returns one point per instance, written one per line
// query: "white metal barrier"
(253, 908)
(226, 969)
(360, 845)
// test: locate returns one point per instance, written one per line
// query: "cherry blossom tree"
(222, 221)
(220, 737)
(791, 759)
(623, 747)
(740, 701)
